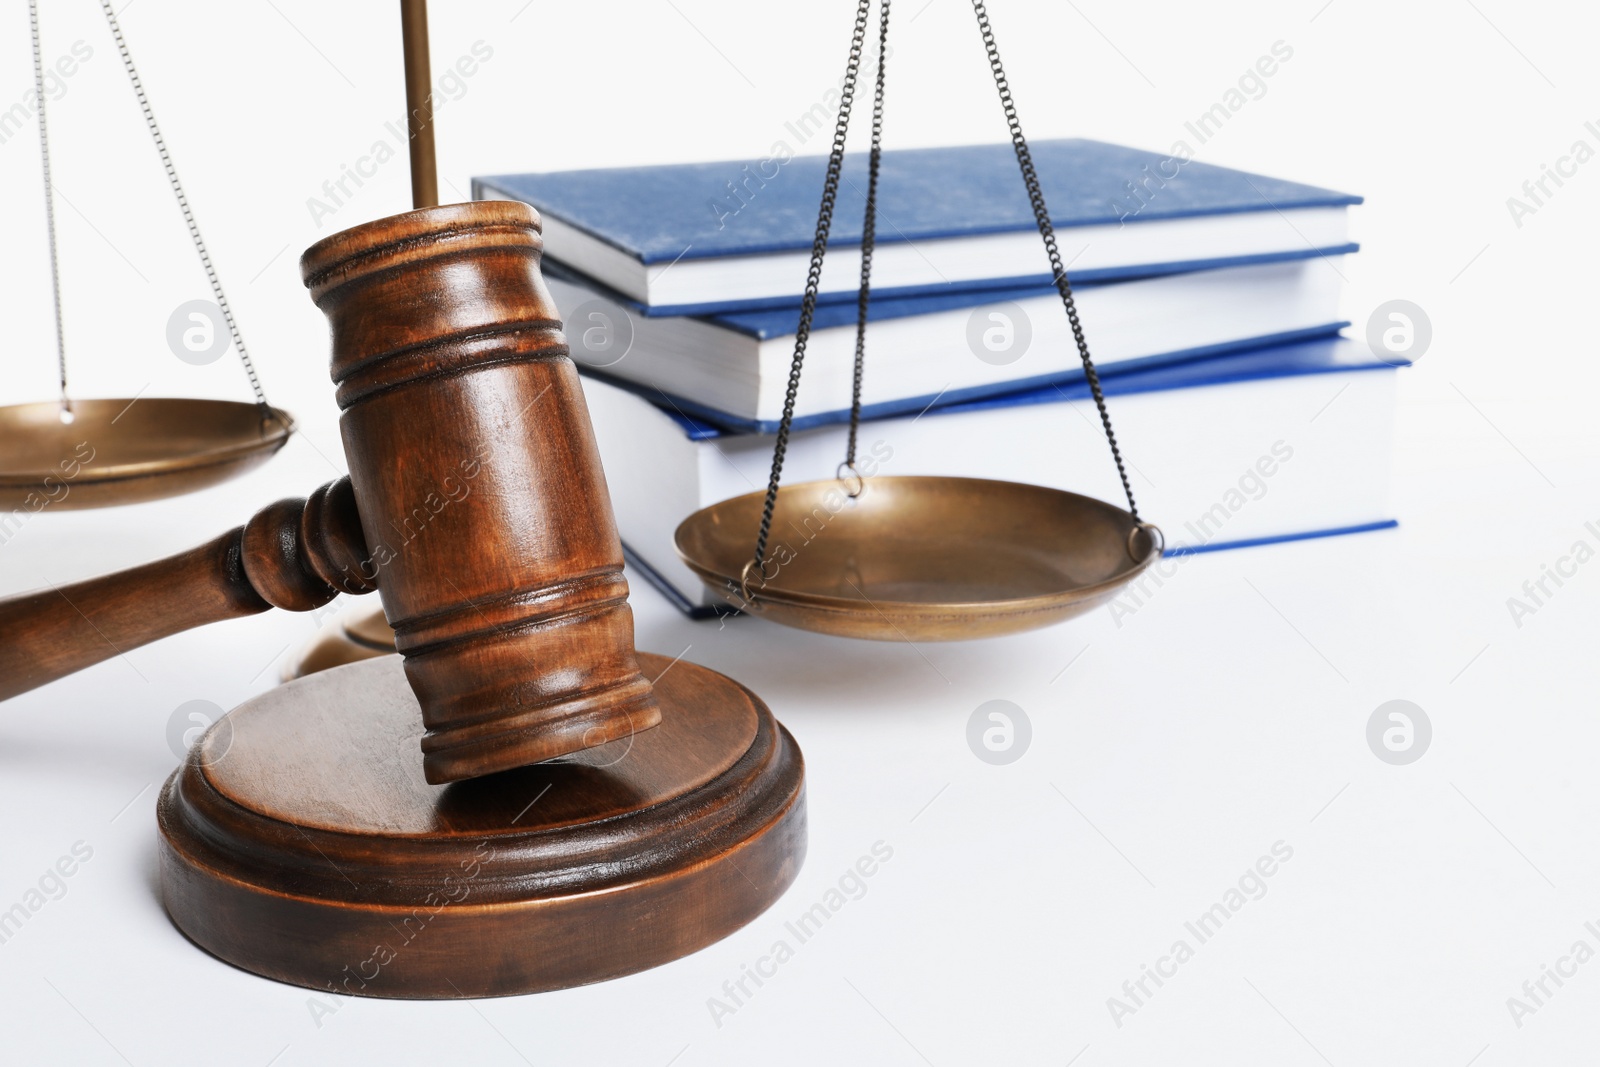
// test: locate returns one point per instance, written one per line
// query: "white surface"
(1193, 738)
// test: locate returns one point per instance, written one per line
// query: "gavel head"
(488, 526)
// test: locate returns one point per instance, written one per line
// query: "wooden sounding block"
(578, 811)
(300, 840)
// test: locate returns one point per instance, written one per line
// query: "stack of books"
(1209, 296)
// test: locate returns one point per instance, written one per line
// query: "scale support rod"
(419, 103)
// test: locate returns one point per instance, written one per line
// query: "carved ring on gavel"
(479, 488)
(302, 830)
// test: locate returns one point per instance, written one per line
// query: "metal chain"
(188, 215)
(808, 305)
(869, 232)
(819, 248)
(49, 202)
(1042, 216)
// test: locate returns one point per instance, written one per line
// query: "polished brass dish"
(920, 558)
(71, 454)
(128, 451)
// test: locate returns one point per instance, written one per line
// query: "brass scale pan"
(910, 559)
(128, 451)
(72, 454)
(923, 558)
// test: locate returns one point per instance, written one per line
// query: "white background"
(1227, 715)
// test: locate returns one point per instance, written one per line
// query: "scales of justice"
(519, 800)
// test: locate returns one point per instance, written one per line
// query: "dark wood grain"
(300, 840)
(596, 821)
(296, 554)
(479, 487)
(475, 503)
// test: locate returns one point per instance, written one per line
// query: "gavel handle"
(296, 554)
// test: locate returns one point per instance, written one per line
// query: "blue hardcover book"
(1279, 444)
(708, 237)
(939, 347)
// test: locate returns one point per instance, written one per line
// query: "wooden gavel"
(475, 505)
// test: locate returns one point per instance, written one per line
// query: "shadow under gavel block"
(577, 810)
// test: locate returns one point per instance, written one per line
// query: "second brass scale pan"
(910, 559)
(921, 558)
